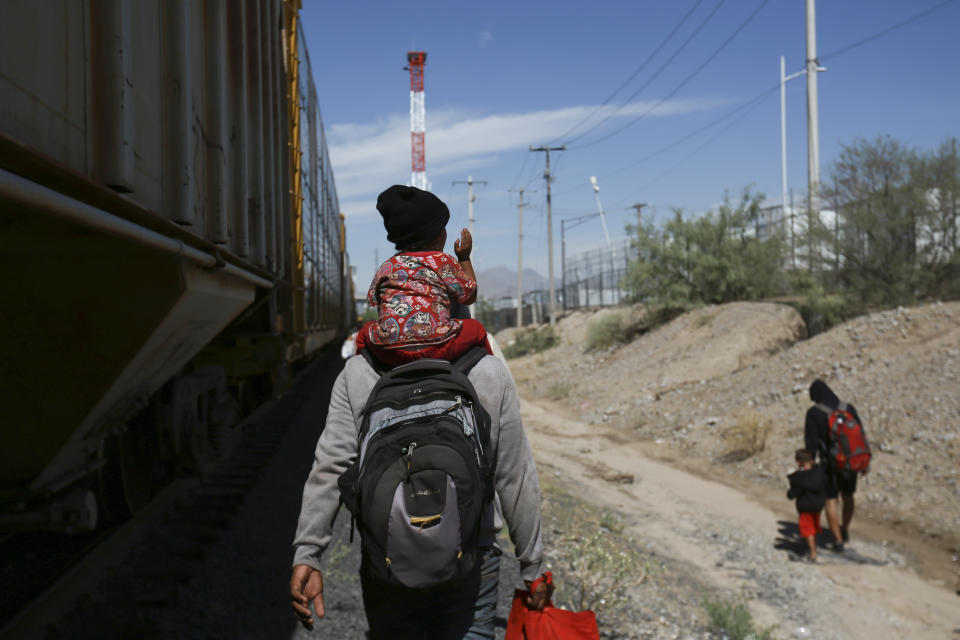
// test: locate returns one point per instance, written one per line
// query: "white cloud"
(367, 156)
(485, 37)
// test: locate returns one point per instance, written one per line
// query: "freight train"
(170, 241)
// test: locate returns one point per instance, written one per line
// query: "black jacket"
(816, 430)
(809, 488)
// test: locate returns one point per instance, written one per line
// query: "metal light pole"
(813, 128)
(783, 142)
(783, 128)
(603, 221)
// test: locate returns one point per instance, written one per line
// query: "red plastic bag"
(549, 624)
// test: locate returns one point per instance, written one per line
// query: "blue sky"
(501, 76)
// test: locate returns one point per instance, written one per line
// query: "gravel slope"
(683, 385)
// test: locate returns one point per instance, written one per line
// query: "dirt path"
(733, 541)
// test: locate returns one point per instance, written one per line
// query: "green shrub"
(733, 618)
(531, 341)
(663, 313)
(620, 327)
(605, 331)
(821, 312)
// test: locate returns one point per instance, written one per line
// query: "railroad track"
(117, 583)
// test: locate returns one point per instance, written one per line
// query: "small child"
(415, 289)
(808, 486)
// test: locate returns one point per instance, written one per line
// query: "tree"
(879, 212)
(897, 211)
(712, 259)
(937, 175)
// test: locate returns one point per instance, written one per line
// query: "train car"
(170, 241)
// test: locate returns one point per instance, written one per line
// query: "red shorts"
(471, 333)
(809, 524)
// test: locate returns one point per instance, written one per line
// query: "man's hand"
(463, 245)
(540, 596)
(306, 584)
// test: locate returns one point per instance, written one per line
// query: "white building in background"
(792, 224)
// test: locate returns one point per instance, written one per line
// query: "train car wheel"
(126, 481)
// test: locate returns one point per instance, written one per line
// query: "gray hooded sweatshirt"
(517, 499)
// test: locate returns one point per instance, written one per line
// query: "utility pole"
(547, 179)
(639, 207)
(813, 129)
(519, 257)
(470, 197)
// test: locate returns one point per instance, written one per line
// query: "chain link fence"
(592, 278)
(595, 278)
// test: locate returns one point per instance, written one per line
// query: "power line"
(642, 66)
(743, 105)
(756, 103)
(878, 34)
(526, 157)
(759, 98)
(686, 80)
(655, 75)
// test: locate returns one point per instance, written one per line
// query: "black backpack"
(423, 474)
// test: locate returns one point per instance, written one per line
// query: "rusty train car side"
(170, 241)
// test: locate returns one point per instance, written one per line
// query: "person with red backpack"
(834, 432)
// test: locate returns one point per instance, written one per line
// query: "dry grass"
(596, 564)
(747, 436)
(558, 391)
(703, 320)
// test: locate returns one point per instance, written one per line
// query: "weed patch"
(746, 437)
(703, 320)
(558, 391)
(606, 331)
(732, 619)
(596, 565)
(531, 341)
(614, 328)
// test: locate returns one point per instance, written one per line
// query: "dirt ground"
(660, 409)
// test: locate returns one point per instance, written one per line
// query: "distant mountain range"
(500, 281)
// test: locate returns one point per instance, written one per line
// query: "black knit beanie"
(411, 216)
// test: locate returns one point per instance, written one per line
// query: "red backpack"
(848, 450)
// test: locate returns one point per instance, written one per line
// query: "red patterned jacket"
(412, 293)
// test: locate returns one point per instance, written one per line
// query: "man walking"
(818, 440)
(467, 608)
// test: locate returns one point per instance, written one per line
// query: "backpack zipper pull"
(456, 406)
(409, 453)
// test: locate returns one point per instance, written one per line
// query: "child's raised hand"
(463, 245)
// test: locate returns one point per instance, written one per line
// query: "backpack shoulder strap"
(375, 364)
(467, 361)
(827, 410)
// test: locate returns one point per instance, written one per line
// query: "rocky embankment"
(699, 385)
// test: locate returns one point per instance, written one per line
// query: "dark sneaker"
(836, 547)
(809, 559)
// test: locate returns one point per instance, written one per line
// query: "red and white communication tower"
(418, 119)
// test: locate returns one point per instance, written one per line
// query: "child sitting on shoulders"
(808, 487)
(414, 290)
